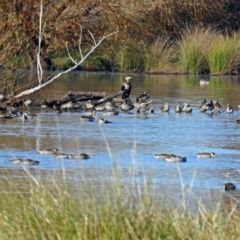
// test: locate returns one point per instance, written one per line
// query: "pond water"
(123, 151)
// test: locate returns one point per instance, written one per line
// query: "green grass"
(162, 56)
(34, 209)
(192, 50)
(223, 55)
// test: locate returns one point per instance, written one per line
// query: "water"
(123, 151)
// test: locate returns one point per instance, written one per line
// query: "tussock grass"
(193, 48)
(162, 55)
(34, 209)
(223, 55)
(131, 56)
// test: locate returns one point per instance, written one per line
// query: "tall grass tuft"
(193, 48)
(33, 209)
(162, 56)
(223, 55)
(131, 56)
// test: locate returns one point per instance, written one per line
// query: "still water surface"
(123, 151)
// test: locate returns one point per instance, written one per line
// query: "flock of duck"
(112, 107)
(54, 152)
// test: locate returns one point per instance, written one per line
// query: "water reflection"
(126, 147)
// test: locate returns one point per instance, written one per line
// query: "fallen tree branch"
(76, 64)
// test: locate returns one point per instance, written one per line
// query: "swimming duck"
(229, 186)
(103, 121)
(24, 161)
(204, 82)
(206, 155)
(237, 121)
(64, 156)
(148, 110)
(126, 88)
(217, 105)
(165, 108)
(89, 118)
(229, 109)
(175, 158)
(178, 109)
(186, 108)
(81, 156)
(22, 115)
(162, 155)
(49, 151)
(127, 105)
(110, 112)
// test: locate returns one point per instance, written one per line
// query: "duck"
(44, 104)
(110, 112)
(77, 105)
(229, 109)
(22, 115)
(178, 109)
(126, 88)
(175, 158)
(165, 108)
(64, 156)
(100, 107)
(204, 106)
(27, 103)
(127, 105)
(89, 118)
(206, 155)
(162, 155)
(110, 106)
(67, 106)
(24, 161)
(186, 108)
(103, 121)
(81, 156)
(2, 97)
(142, 97)
(210, 106)
(143, 105)
(229, 186)
(217, 105)
(148, 110)
(204, 82)
(48, 151)
(89, 104)
(237, 121)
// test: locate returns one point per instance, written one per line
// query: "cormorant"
(126, 88)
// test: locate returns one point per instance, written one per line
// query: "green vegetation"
(223, 55)
(167, 36)
(34, 209)
(199, 50)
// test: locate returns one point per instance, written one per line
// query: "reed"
(193, 48)
(131, 56)
(162, 56)
(223, 55)
(34, 209)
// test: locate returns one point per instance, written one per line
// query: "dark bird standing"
(126, 88)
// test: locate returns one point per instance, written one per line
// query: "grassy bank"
(33, 209)
(198, 51)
